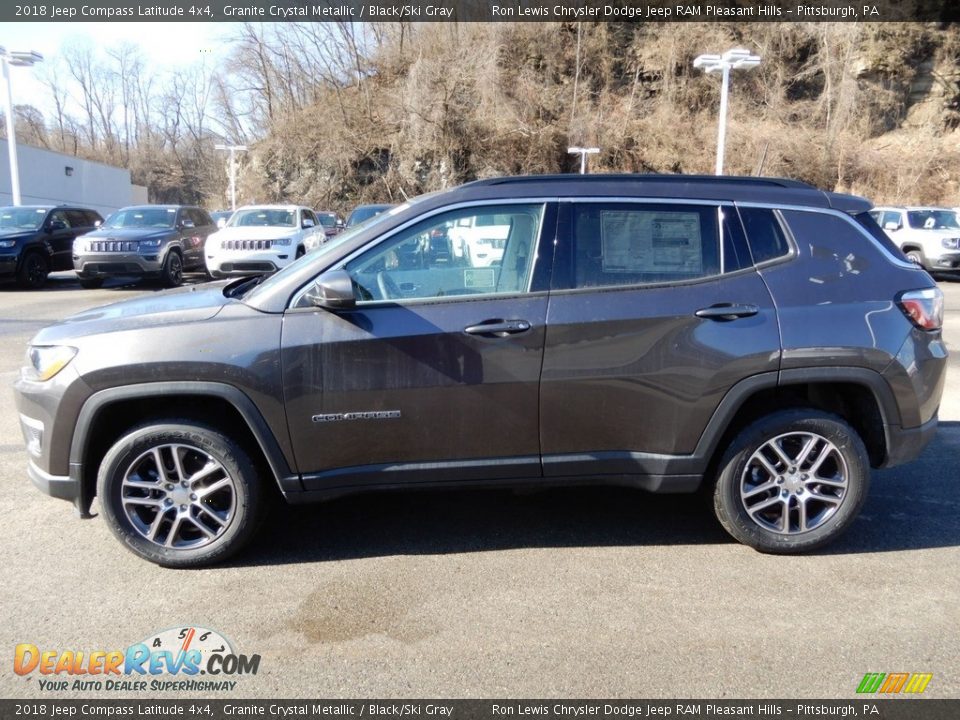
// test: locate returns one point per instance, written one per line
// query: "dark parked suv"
(38, 239)
(755, 335)
(158, 241)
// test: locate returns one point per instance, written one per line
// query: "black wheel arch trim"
(287, 480)
(740, 393)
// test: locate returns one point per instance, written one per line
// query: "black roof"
(780, 191)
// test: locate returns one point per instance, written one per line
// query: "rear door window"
(630, 244)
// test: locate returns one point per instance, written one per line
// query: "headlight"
(7, 243)
(282, 241)
(951, 243)
(45, 361)
(150, 244)
(80, 246)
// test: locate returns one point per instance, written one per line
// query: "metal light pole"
(583, 152)
(735, 59)
(20, 59)
(233, 170)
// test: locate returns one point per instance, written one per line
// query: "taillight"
(923, 307)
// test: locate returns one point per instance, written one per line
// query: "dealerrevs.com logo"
(173, 659)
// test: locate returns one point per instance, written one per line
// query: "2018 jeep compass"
(662, 332)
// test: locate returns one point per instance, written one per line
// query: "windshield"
(364, 213)
(933, 220)
(327, 220)
(21, 218)
(142, 217)
(263, 217)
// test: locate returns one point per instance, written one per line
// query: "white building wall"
(44, 181)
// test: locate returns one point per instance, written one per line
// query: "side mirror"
(222, 223)
(891, 225)
(56, 225)
(340, 224)
(98, 223)
(334, 291)
(187, 223)
(307, 223)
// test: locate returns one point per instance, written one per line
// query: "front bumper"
(947, 262)
(8, 263)
(228, 263)
(48, 414)
(110, 264)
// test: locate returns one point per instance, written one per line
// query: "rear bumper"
(906, 444)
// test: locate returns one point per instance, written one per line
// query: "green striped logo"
(890, 683)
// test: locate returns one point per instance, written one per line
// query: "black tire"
(915, 256)
(91, 283)
(33, 271)
(171, 274)
(744, 480)
(134, 512)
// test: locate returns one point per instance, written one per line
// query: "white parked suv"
(929, 236)
(261, 239)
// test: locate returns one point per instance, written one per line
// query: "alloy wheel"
(794, 483)
(178, 496)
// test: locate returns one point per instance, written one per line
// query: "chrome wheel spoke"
(829, 499)
(178, 463)
(760, 507)
(765, 487)
(140, 484)
(210, 514)
(773, 445)
(771, 469)
(210, 489)
(174, 529)
(144, 501)
(161, 468)
(211, 467)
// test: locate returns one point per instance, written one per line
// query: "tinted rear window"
(866, 221)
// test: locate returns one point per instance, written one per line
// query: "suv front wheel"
(179, 494)
(792, 481)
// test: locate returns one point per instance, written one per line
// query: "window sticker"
(479, 278)
(636, 242)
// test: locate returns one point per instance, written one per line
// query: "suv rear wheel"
(179, 494)
(792, 481)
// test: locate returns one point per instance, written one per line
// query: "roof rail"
(651, 177)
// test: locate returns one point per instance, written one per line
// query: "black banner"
(860, 707)
(479, 10)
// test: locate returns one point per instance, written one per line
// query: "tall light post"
(19, 59)
(583, 152)
(735, 59)
(234, 149)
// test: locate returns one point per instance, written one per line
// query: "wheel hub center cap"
(180, 496)
(793, 482)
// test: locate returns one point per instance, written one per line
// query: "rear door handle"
(498, 328)
(727, 311)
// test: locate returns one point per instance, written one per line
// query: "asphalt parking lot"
(568, 592)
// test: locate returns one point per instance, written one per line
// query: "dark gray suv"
(757, 335)
(155, 241)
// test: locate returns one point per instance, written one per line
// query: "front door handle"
(498, 328)
(727, 311)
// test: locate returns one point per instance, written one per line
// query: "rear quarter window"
(765, 235)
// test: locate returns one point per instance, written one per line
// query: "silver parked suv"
(929, 236)
(158, 241)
